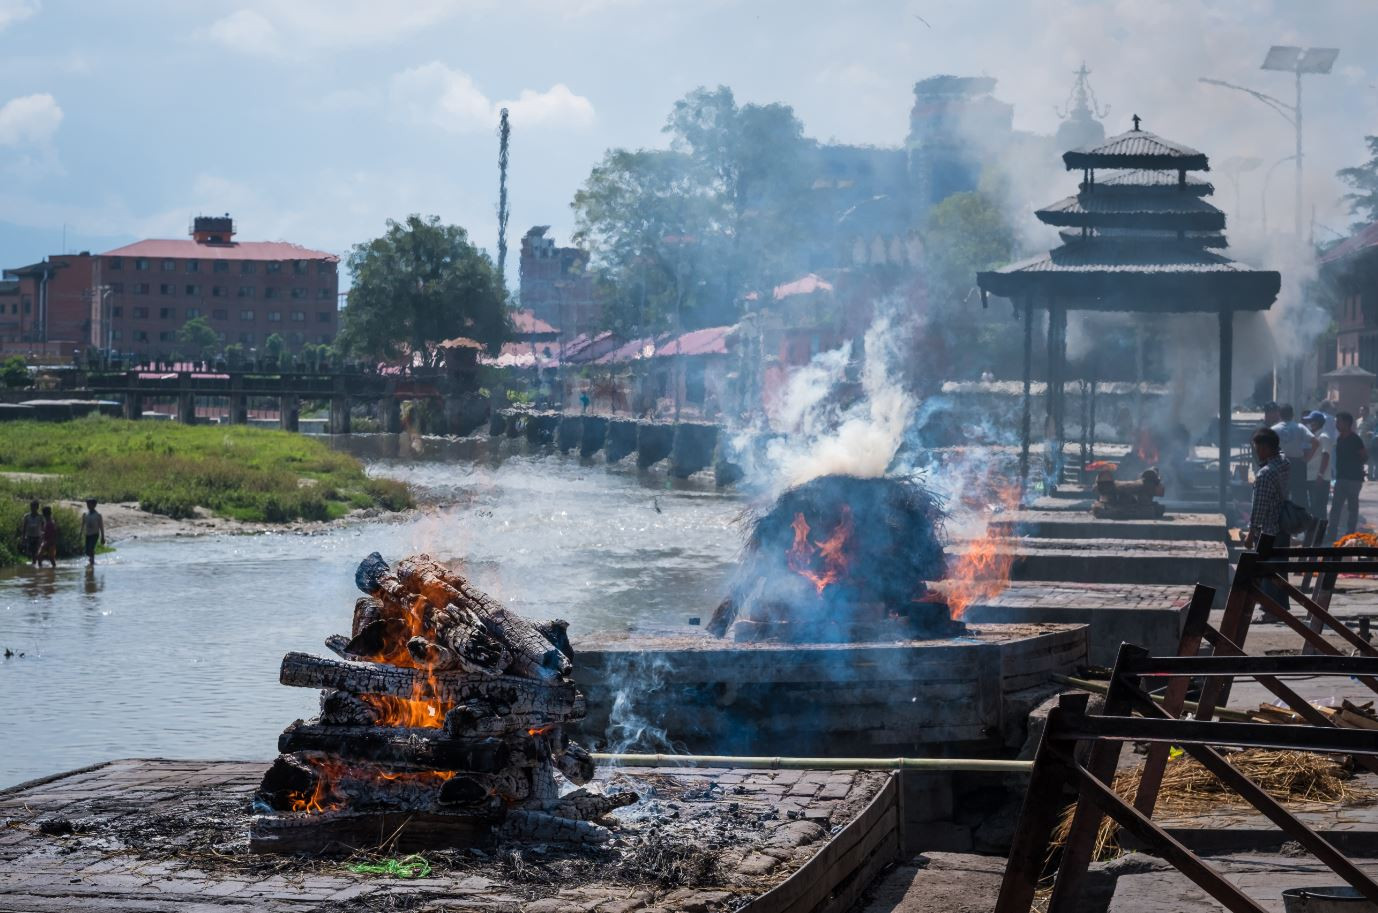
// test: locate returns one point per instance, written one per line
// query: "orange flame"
(805, 556)
(1146, 448)
(331, 772)
(983, 571)
(412, 713)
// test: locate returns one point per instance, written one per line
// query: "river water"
(170, 648)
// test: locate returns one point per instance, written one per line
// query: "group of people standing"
(1317, 462)
(38, 533)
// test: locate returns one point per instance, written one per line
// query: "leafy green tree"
(1363, 181)
(963, 235)
(199, 338)
(678, 236)
(419, 284)
(274, 347)
(14, 371)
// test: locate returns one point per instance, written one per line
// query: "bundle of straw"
(1291, 777)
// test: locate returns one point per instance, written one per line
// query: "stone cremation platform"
(1124, 561)
(1062, 524)
(1144, 614)
(913, 697)
(158, 835)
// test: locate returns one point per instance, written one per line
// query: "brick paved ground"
(172, 836)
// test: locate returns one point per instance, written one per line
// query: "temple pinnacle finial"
(1136, 119)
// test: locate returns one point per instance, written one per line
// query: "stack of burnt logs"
(442, 725)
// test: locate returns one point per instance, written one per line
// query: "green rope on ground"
(414, 866)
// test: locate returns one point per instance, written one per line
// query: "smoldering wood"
(478, 718)
(341, 708)
(513, 785)
(344, 832)
(378, 641)
(582, 805)
(523, 695)
(575, 763)
(556, 630)
(460, 641)
(288, 776)
(537, 827)
(374, 576)
(367, 609)
(422, 748)
(338, 644)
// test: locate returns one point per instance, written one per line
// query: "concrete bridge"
(465, 411)
(688, 446)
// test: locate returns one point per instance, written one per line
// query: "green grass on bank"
(252, 474)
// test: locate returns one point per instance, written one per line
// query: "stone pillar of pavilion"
(1139, 236)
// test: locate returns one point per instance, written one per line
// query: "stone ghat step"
(1081, 501)
(170, 836)
(1144, 614)
(822, 699)
(1059, 524)
(1125, 561)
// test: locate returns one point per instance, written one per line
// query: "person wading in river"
(47, 549)
(31, 532)
(93, 529)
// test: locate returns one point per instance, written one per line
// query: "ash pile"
(841, 559)
(442, 725)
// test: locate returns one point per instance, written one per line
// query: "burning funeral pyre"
(841, 559)
(444, 713)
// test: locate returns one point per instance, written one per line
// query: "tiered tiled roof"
(1138, 238)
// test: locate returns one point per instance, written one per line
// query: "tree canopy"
(963, 234)
(419, 284)
(678, 236)
(1363, 181)
(198, 338)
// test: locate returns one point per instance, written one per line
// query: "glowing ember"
(824, 563)
(408, 713)
(984, 570)
(1146, 448)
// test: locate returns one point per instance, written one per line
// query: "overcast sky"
(315, 120)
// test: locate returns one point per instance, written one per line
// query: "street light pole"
(1267, 181)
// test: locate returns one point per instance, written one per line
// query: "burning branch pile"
(841, 559)
(444, 713)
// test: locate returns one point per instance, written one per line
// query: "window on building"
(167, 288)
(193, 289)
(141, 335)
(193, 312)
(217, 291)
(141, 288)
(323, 294)
(166, 313)
(166, 336)
(298, 293)
(140, 313)
(221, 266)
(193, 266)
(324, 268)
(275, 316)
(299, 267)
(296, 339)
(246, 338)
(117, 311)
(28, 304)
(141, 265)
(247, 267)
(273, 266)
(324, 339)
(116, 262)
(220, 314)
(246, 314)
(270, 292)
(169, 266)
(246, 291)
(323, 316)
(298, 316)
(116, 334)
(117, 288)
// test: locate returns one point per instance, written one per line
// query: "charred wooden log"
(557, 632)
(422, 748)
(460, 641)
(345, 832)
(477, 718)
(541, 827)
(341, 708)
(338, 644)
(582, 805)
(575, 763)
(367, 609)
(554, 699)
(374, 576)
(287, 778)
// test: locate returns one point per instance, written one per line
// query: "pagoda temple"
(1139, 236)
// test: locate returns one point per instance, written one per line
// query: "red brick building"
(135, 298)
(555, 286)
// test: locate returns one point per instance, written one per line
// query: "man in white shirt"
(1298, 446)
(1318, 468)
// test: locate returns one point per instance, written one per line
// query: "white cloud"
(246, 31)
(29, 120)
(443, 97)
(12, 11)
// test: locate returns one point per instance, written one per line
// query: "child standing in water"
(48, 547)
